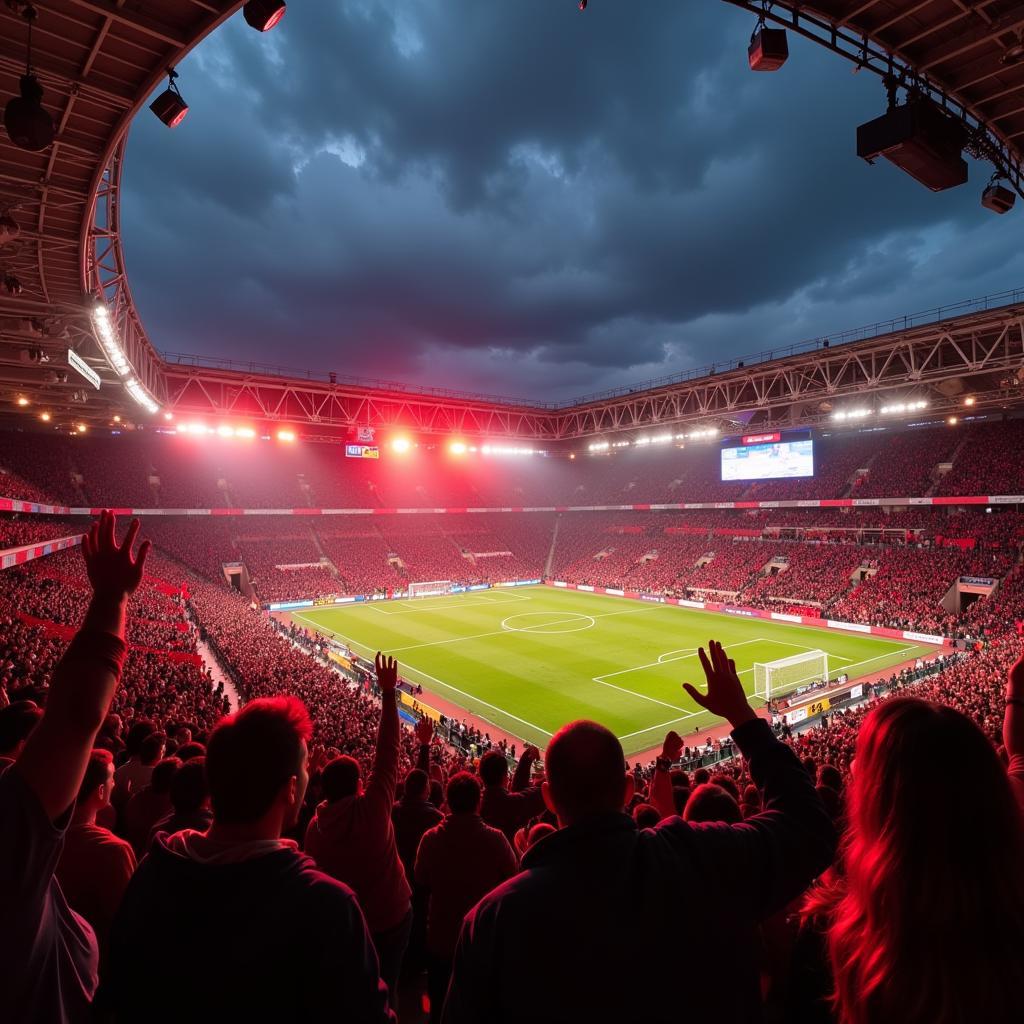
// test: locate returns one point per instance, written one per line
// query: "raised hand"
(672, 747)
(424, 731)
(725, 697)
(387, 672)
(113, 571)
(1015, 680)
(531, 753)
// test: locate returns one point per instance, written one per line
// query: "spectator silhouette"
(599, 882)
(48, 953)
(458, 861)
(235, 922)
(352, 838)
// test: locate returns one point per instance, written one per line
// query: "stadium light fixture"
(768, 49)
(598, 446)
(141, 396)
(28, 125)
(169, 416)
(997, 197)
(845, 415)
(903, 407)
(457, 448)
(225, 431)
(401, 445)
(82, 428)
(45, 417)
(970, 400)
(500, 449)
(22, 401)
(263, 15)
(170, 105)
(952, 421)
(286, 436)
(247, 433)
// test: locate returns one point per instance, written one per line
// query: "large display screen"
(768, 456)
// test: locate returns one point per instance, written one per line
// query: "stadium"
(722, 659)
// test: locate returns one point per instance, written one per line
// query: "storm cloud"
(520, 199)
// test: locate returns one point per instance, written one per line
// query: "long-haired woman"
(922, 921)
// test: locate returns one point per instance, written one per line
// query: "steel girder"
(195, 391)
(980, 354)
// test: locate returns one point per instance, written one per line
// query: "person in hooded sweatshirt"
(352, 837)
(49, 957)
(234, 923)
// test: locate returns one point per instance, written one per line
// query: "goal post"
(433, 588)
(774, 678)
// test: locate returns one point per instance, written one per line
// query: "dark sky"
(513, 197)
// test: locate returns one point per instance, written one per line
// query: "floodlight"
(263, 15)
(400, 445)
(28, 124)
(170, 106)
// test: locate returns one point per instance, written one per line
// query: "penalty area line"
(469, 696)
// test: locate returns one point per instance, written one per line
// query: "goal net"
(774, 678)
(435, 588)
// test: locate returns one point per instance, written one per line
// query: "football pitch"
(530, 659)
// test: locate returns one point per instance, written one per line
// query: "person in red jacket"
(506, 807)
(352, 838)
(95, 866)
(458, 862)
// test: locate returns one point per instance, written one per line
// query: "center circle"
(572, 622)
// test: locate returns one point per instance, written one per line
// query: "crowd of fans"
(175, 833)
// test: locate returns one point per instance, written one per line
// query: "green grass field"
(531, 659)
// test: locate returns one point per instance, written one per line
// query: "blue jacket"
(609, 923)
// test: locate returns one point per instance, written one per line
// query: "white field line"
(668, 661)
(535, 628)
(888, 654)
(469, 696)
(662, 725)
(603, 679)
(407, 606)
(805, 647)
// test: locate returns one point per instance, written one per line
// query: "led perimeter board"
(770, 455)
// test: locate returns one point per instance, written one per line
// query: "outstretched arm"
(83, 685)
(384, 777)
(521, 778)
(660, 794)
(770, 857)
(424, 734)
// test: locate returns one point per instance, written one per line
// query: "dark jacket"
(510, 809)
(562, 937)
(267, 938)
(411, 819)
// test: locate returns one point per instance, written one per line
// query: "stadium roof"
(968, 55)
(98, 61)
